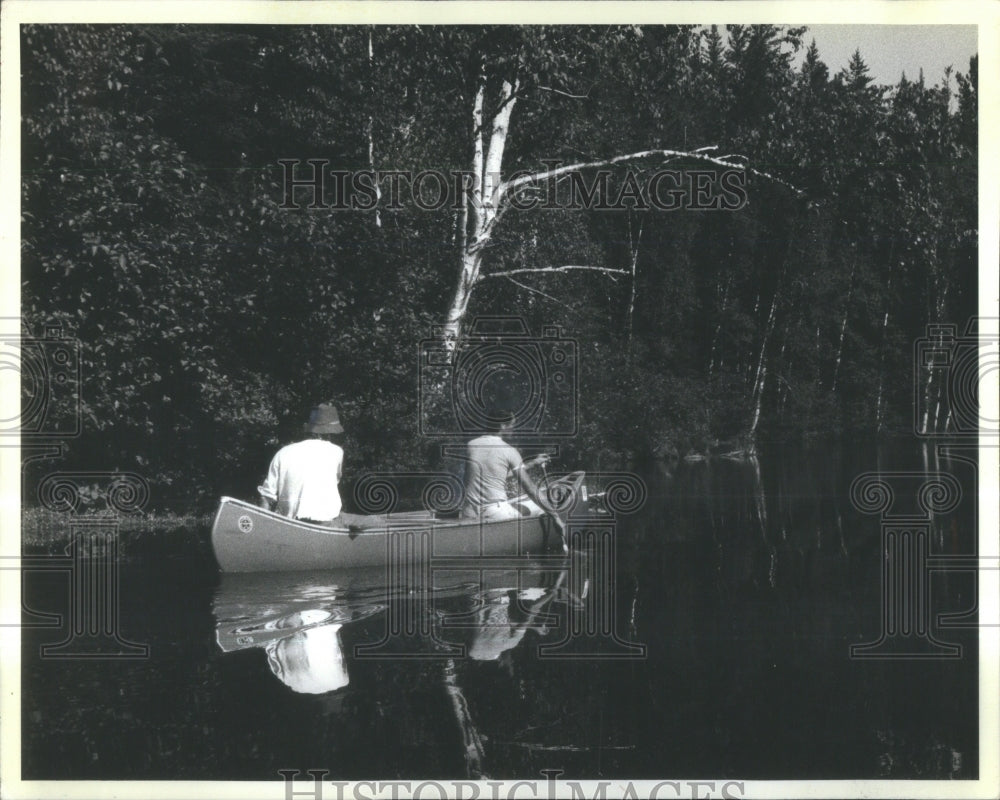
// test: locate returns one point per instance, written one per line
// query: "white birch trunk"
(787, 387)
(767, 336)
(471, 212)
(942, 292)
(758, 402)
(494, 155)
(760, 381)
(480, 203)
(937, 409)
(881, 364)
(371, 137)
(635, 261)
(718, 328)
(472, 743)
(843, 330)
(782, 388)
(925, 419)
(881, 375)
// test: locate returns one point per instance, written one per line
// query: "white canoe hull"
(246, 538)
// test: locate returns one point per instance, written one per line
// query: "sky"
(888, 50)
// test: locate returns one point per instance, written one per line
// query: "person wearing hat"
(303, 479)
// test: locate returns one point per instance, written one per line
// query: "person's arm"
(534, 492)
(541, 458)
(268, 490)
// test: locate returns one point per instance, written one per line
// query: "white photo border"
(985, 15)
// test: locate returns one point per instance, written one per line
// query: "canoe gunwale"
(248, 538)
(407, 521)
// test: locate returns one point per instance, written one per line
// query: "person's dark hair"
(504, 416)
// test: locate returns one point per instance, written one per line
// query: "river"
(710, 637)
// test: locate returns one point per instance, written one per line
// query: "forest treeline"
(156, 231)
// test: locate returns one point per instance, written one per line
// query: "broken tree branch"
(564, 94)
(566, 268)
(539, 292)
(700, 154)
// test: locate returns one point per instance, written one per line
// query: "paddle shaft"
(560, 524)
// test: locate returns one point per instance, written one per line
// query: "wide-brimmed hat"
(323, 419)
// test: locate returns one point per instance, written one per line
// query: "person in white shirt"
(303, 479)
(489, 462)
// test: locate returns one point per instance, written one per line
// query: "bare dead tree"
(489, 195)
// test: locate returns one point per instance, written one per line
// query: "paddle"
(542, 460)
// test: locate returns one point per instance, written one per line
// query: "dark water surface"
(744, 583)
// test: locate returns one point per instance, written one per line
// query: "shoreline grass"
(50, 531)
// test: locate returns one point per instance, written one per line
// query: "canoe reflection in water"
(299, 619)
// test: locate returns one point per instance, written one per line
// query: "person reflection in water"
(310, 660)
(503, 620)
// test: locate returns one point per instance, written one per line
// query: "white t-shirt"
(489, 462)
(303, 480)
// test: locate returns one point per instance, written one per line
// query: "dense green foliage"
(210, 317)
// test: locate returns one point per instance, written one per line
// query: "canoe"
(247, 538)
